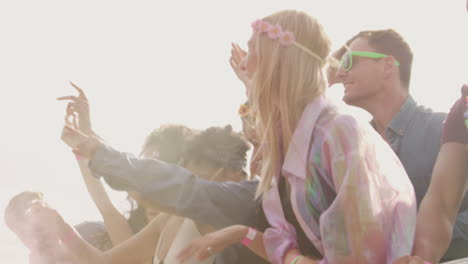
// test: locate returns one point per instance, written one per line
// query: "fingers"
(74, 99)
(237, 54)
(71, 117)
(68, 122)
(198, 249)
(74, 121)
(80, 98)
(79, 108)
(203, 253)
(71, 112)
(186, 253)
(234, 65)
(69, 97)
(80, 91)
(237, 65)
(241, 51)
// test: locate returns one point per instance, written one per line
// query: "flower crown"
(285, 38)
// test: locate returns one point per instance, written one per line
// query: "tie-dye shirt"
(349, 192)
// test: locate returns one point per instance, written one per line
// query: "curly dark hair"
(136, 216)
(218, 147)
(168, 140)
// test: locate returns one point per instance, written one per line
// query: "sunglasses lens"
(346, 61)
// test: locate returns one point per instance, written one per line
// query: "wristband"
(296, 259)
(78, 157)
(249, 237)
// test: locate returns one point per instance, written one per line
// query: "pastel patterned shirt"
(349, 192)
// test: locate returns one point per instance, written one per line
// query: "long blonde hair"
(285, 81)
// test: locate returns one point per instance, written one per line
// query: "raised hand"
(82, 145)
(72, 137)
(238, 56)
(78, 115)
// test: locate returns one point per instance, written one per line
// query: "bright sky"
(147, 63)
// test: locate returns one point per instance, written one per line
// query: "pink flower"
(287, 38)
(256, 25)
(275, 31)
(264, 26)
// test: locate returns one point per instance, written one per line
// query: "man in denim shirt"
(376, 74)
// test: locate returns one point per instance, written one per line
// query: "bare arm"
(221, 239)
(116, 224)
(440, 206)
(139, 248)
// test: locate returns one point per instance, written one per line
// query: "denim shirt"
(415, 136)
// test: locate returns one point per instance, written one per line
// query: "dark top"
(455, 129)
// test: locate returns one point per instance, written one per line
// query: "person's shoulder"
(428, 116)
(346, 122)
(429, 112)
(343, 127)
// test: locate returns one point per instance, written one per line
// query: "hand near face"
(238, 56)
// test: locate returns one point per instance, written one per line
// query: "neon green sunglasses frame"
(347, 59)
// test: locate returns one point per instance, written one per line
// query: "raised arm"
(439, 208)
(215, 242)
(218, 204)
(139, 248)
(116, 224)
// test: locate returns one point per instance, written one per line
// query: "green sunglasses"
(347, 59)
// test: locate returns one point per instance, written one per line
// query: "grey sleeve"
(460, 229)
(219, 204)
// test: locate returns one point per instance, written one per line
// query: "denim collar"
(403, 118)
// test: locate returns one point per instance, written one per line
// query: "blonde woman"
(333, 191)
